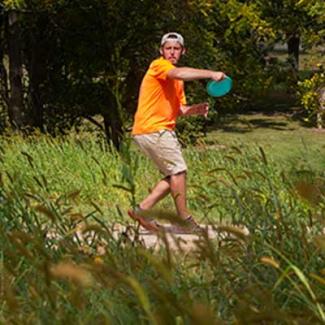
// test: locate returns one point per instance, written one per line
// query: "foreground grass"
(276, 275)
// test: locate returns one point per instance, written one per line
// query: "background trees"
(295, 21)
(62, 61)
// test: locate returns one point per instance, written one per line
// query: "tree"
(4, 91)
(15, 104)
(293, 21)
(237, 30)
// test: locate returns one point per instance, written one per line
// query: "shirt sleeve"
(159, 69)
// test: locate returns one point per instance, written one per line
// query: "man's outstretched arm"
(186, 74)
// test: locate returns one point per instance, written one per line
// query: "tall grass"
(50, 187)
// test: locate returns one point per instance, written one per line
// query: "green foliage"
(13, 4)
(243, 37)
(288, 17)
(190, 130)
(311, 96)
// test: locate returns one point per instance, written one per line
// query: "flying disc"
(219, 88)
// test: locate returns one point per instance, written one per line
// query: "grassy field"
(263, 171)
(83, 163)
(281, 136)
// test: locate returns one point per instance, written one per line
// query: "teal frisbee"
(219, 88)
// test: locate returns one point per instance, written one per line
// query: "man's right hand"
(217, 75)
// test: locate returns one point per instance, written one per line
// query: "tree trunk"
(16, 103)
(113, 123)
(4, 91)
(293, 50)
(37, 60)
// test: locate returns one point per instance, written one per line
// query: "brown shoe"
(188, 226)
(146, 223)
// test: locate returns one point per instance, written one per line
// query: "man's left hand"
(196, 109)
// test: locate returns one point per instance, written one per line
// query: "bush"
(311, 95)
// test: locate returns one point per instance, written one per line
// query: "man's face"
(171, 51)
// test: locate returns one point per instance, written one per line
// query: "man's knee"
(179, 174)
(183, 172)
(178, 178)
(174, 177)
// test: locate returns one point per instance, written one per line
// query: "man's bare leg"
(176, 185)
(161, 189)
(159, 192)
(178, 191)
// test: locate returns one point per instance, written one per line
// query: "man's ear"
(160, 51)
(184, 51)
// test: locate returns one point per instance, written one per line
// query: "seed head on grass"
(72, 272)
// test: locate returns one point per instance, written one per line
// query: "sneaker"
(188, 226)
(147, 223)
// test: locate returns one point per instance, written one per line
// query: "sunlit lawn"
(282, 137)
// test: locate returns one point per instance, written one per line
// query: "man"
(161, 101)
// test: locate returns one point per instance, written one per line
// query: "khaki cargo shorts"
(164, 150)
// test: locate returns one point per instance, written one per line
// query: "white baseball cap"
(172, 37)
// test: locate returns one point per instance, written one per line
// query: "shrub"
(311, 93)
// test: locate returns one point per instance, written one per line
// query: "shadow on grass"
(238, 124)
(267, 123)
(276, 110)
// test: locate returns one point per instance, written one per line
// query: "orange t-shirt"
(160, 99)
